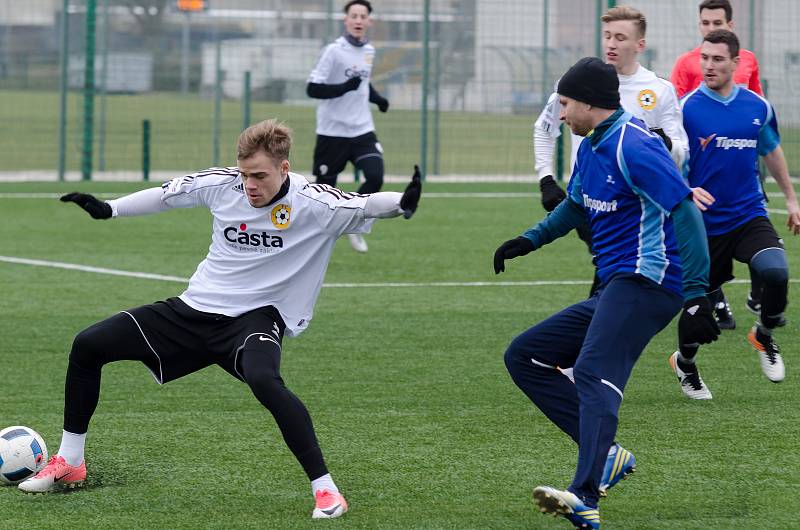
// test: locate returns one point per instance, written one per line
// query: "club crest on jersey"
(647, 99)
(281, 216)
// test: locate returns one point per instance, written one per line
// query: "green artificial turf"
(418, 419)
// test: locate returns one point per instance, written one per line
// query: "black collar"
(281, 192)
(354, 41)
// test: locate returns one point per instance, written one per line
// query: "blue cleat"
(619, 464)
(567, 504)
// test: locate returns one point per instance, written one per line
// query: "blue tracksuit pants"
(600, 338)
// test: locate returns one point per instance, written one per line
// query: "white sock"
(71, 449)
(325, 482)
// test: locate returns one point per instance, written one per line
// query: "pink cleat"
(56, 474)
(328, 505)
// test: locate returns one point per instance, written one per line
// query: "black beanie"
(591, 81)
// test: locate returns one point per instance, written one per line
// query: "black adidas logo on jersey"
(239, 188)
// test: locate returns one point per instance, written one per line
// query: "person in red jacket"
(686, 76)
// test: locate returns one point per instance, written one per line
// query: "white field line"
(427, 195)
(162, 277)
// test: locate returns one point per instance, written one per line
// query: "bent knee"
(515, 353)
(87, 347)
(775, 276)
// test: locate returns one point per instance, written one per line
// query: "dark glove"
(552, 194)
(697, 324)
(352, 84)
(667, 140)
(410, 198)
(383, 104)
(97, 209)
(513, 248)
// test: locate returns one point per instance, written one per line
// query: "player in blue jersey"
(729, 127)
(652, 259)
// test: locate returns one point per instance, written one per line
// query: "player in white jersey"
(272, 236)
(642, 93)
(345, 131)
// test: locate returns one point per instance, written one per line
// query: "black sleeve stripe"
(223, 183)
(334, 206)
(215, 171)
(336, 192)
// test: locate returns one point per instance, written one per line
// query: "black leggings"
(119, 339)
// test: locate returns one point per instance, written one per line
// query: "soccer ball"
(22, 454)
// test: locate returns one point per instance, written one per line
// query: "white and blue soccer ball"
(22, 454)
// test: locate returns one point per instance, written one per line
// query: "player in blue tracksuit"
(651, 258)
(729, 127)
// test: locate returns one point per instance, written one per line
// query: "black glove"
(410, 198)
(383, 104)
(697, 324)
(352, 84)
(513, 248)
(97, 209)
(552, 194)
(667, 140)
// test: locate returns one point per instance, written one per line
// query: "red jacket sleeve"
(678, 77)
(754, 83)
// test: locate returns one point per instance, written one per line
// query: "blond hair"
(271, 136)
(626, 13)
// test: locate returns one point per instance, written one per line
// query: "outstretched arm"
(393, 204)
(567, 215)
(140, 203)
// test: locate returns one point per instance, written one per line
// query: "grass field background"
(419, 421)
(470, 143)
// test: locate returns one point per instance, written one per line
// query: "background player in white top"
(642, 93)
(345, 131)
(272, 236)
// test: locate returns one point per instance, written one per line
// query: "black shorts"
(184, 340)
(741, 244)
(332, 153)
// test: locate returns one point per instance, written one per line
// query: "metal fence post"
(101, 132)
(545, 38)
(88, 92)
(246, 100)
(423, 155)
(186, 32)
(146, 150)
(217, 99)
(437, 106)
(64, 88)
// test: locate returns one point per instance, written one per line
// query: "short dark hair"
(724, 36)
(718, 4)
(352, 3)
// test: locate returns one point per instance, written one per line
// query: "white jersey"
(276, 255)
(643, 94)
(348, 115)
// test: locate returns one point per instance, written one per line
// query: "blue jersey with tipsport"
(628, 185)
(726, 136)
